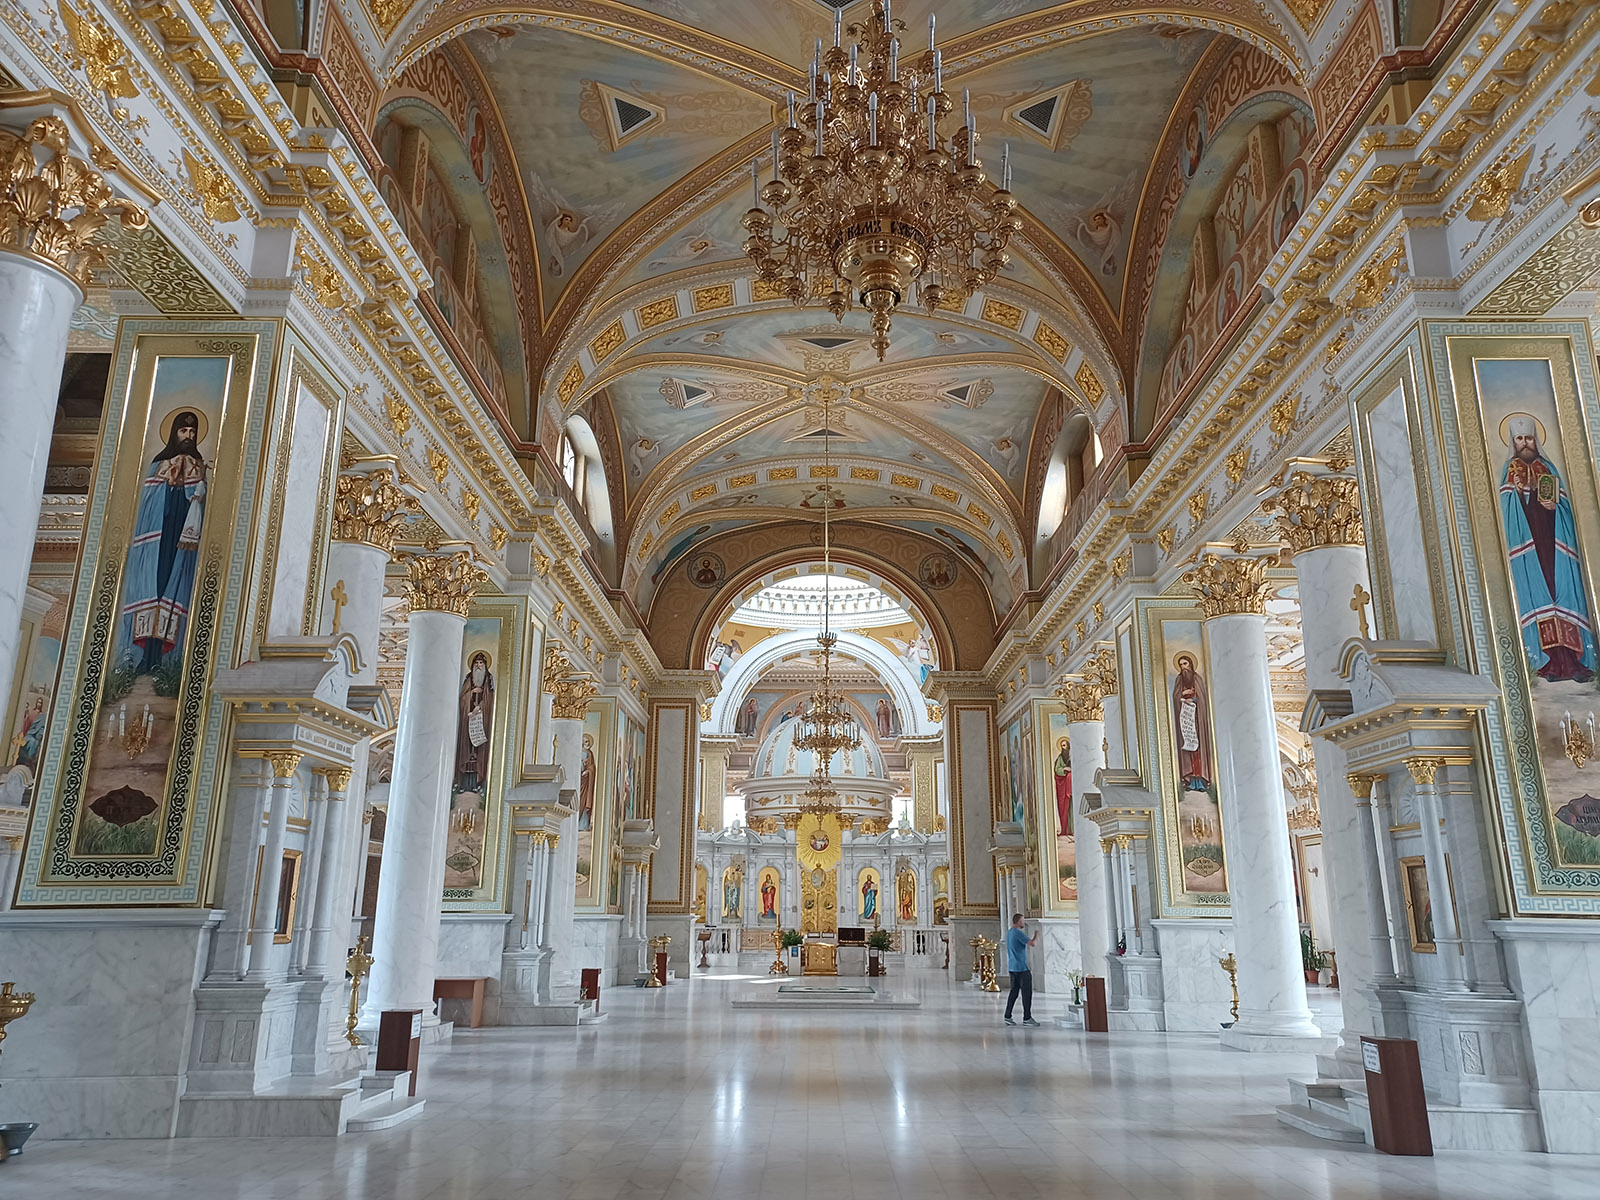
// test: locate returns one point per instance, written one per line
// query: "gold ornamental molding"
(442, 582)
(53, 203)
(1316, 506)
(1230, 581)
(1101, 671)
(370, 509)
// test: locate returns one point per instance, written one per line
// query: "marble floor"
(678, 1095)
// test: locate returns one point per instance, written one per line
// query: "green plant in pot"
(880, 940)
(1312, 960)
(792, 937)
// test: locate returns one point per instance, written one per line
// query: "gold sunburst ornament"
(868, 198)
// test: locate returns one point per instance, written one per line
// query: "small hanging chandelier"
(827, 726)
(868, 199)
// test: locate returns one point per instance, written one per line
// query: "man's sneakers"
(1031, 1021)
(1009, 1021)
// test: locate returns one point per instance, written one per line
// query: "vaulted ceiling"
(630, 129)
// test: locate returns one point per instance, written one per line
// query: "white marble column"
(36, 305)
(1272, 990)
(1086, 734)
(1317, 511)
(405, 935)
(10, 864)
(331, 860)
(263, 925)
(1379, 942)
(311, 867)
(557, 975)
(1430, 818)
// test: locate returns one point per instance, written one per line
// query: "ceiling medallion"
(868, 199)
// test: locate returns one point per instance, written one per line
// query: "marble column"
(558, 977)
(1232, 589)
(10, 864)
(1317, 512)
(311, 867)
(405, 934)
(42, 267)
(319, 955)
(1430, 818)
(263, 924)
(1379, 940)
(1086, 734)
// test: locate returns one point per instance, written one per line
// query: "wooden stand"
(589, 986)
(463, 989)
(661, 968)
(400, 1042)
(1394, 1089)
(1094, 1005)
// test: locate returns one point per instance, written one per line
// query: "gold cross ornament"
(340, 598)
(1358, 605)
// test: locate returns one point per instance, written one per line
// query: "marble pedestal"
(1133, 992)
(1056, 955)
(962, 931)
(106, 1049)
(1195, 996)
(524, 998)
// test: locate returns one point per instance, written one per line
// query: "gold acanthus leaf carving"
(369, 508)
(1230, 584)
(498, 537)
(439, 464)
(542, 563)
(556, 665)
(1198, 503)
(1317, 510)
(1101, 671)
(570, 697)
(1497, 188)
(1372, 281)
(52, 203)
(443, 582)
(1236, 464)
(471, 503)
(1165, 538)
(1082, 700)
(1281, 419)
(101, 52)
(399, 413)
(213, 188)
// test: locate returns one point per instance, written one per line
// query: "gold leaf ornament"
(213, 188)
(102, 54)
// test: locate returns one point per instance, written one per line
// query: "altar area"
(785, 994)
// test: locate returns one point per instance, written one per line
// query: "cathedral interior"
(847, 480)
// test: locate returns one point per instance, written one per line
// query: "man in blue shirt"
(1017, 943)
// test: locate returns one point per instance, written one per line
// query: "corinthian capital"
(1101, 670)
(569, 698)
(1082, 700)
(1228, 582)
(1316, 505)
(369, 509)
(53, 203)
(442, 582)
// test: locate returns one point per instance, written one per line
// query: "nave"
(679, 1096)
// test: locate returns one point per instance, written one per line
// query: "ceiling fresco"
(631, 125)
(553, 90)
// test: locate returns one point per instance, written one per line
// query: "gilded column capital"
(1423, 770)
(1230, 583)
(1101, 670)
(1316, 508)
(369, 508)
(338, 778)
(1082, 700)
(53, 203)
(570, 697)
(556, 665)
(442, 582)
(284, 763)
(1361, 785)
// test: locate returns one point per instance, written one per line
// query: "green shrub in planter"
(880, 940)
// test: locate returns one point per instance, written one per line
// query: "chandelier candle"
(870, 201)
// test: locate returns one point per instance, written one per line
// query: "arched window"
(573, 468)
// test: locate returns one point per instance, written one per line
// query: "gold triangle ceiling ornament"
(870, 199)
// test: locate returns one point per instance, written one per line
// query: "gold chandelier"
(826, 725)
(867, 197)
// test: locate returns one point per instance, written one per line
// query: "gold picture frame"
(288, 895)
(1419, 904)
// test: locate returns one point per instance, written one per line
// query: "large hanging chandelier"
(827, 725)
(868, 198)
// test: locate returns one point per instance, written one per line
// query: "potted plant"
(1076, 979)
(1312, 961)
(878, 943)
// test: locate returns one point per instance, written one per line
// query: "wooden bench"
(463, 989)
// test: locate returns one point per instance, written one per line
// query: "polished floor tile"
(679, 1096)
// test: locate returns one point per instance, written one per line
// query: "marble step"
(1318, 1124)
(1304, 1091)
(395, 1111)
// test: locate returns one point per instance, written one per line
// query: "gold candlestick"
(658, 946)
(778, 967)
(1231, 966)
(14, 1005)
(989, 983)
(358, 964)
